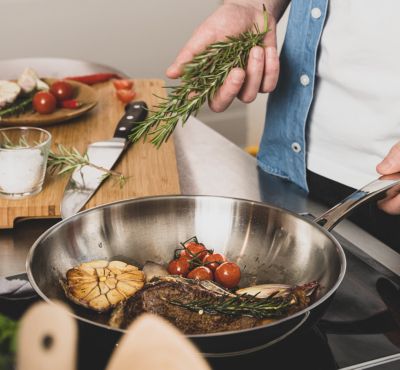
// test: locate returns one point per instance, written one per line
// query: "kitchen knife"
(85, 181)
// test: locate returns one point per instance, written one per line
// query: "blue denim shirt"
(283, 144)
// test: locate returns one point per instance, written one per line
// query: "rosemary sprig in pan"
(69, 159)
(201, 79)
(272, 306)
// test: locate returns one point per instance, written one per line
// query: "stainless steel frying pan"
(269, 243)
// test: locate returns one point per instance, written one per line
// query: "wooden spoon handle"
(152, 343)
(47, 339)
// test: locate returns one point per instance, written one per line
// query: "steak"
(155, 298)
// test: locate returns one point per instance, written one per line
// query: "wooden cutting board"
(150, 171)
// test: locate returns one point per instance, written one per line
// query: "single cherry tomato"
(212, 261)
(228, 274)
(205, 256)
(62, 90)
(44, 103)
(125, 95)
(178, 266)
(123, 84)
(196, 249)
(185, 255)
(201, 273)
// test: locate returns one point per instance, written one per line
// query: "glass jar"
(23, 160)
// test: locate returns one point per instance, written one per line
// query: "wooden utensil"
(152, 343)
(47, 340)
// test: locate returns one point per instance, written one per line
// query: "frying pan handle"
(374, 189)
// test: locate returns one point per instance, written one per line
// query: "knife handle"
(134, 112)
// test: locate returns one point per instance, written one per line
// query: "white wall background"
(140, 38)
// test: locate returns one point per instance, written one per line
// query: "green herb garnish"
(20, 106)
(272, 306)
(67, 160)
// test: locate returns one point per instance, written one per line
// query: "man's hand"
(390, 165)
(261, 74)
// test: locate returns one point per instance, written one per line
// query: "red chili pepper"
(94, 78)
(70, 104)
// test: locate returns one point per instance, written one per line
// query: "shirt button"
(296, 147)
(304, 80)
(316, 13)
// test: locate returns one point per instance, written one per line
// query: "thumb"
(391, 163)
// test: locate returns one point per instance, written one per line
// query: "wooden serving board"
(150, 171)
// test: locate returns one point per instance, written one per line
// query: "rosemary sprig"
(201, 79)
(244, 305)
(20, 106)
(69, 159)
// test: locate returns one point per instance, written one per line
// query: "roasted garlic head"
(101, 284)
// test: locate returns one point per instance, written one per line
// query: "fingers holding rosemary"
(254, 75)
(271, 72)
(227, 20)
(217, 75)
(261, 75)
(228, 91)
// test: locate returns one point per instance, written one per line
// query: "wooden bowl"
(83, 93)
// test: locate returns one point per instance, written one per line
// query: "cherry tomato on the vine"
(201, 273)
(228, 274)
(179, 266)
(212, 261)
(195, 249)
(44, 102)
(205, 256)
(184, 254)
(62, 90)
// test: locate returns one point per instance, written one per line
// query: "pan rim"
(328, 294)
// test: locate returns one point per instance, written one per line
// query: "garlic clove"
(265, 290)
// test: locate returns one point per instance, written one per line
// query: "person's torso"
(355, 115)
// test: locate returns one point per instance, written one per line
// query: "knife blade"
(84, 181)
